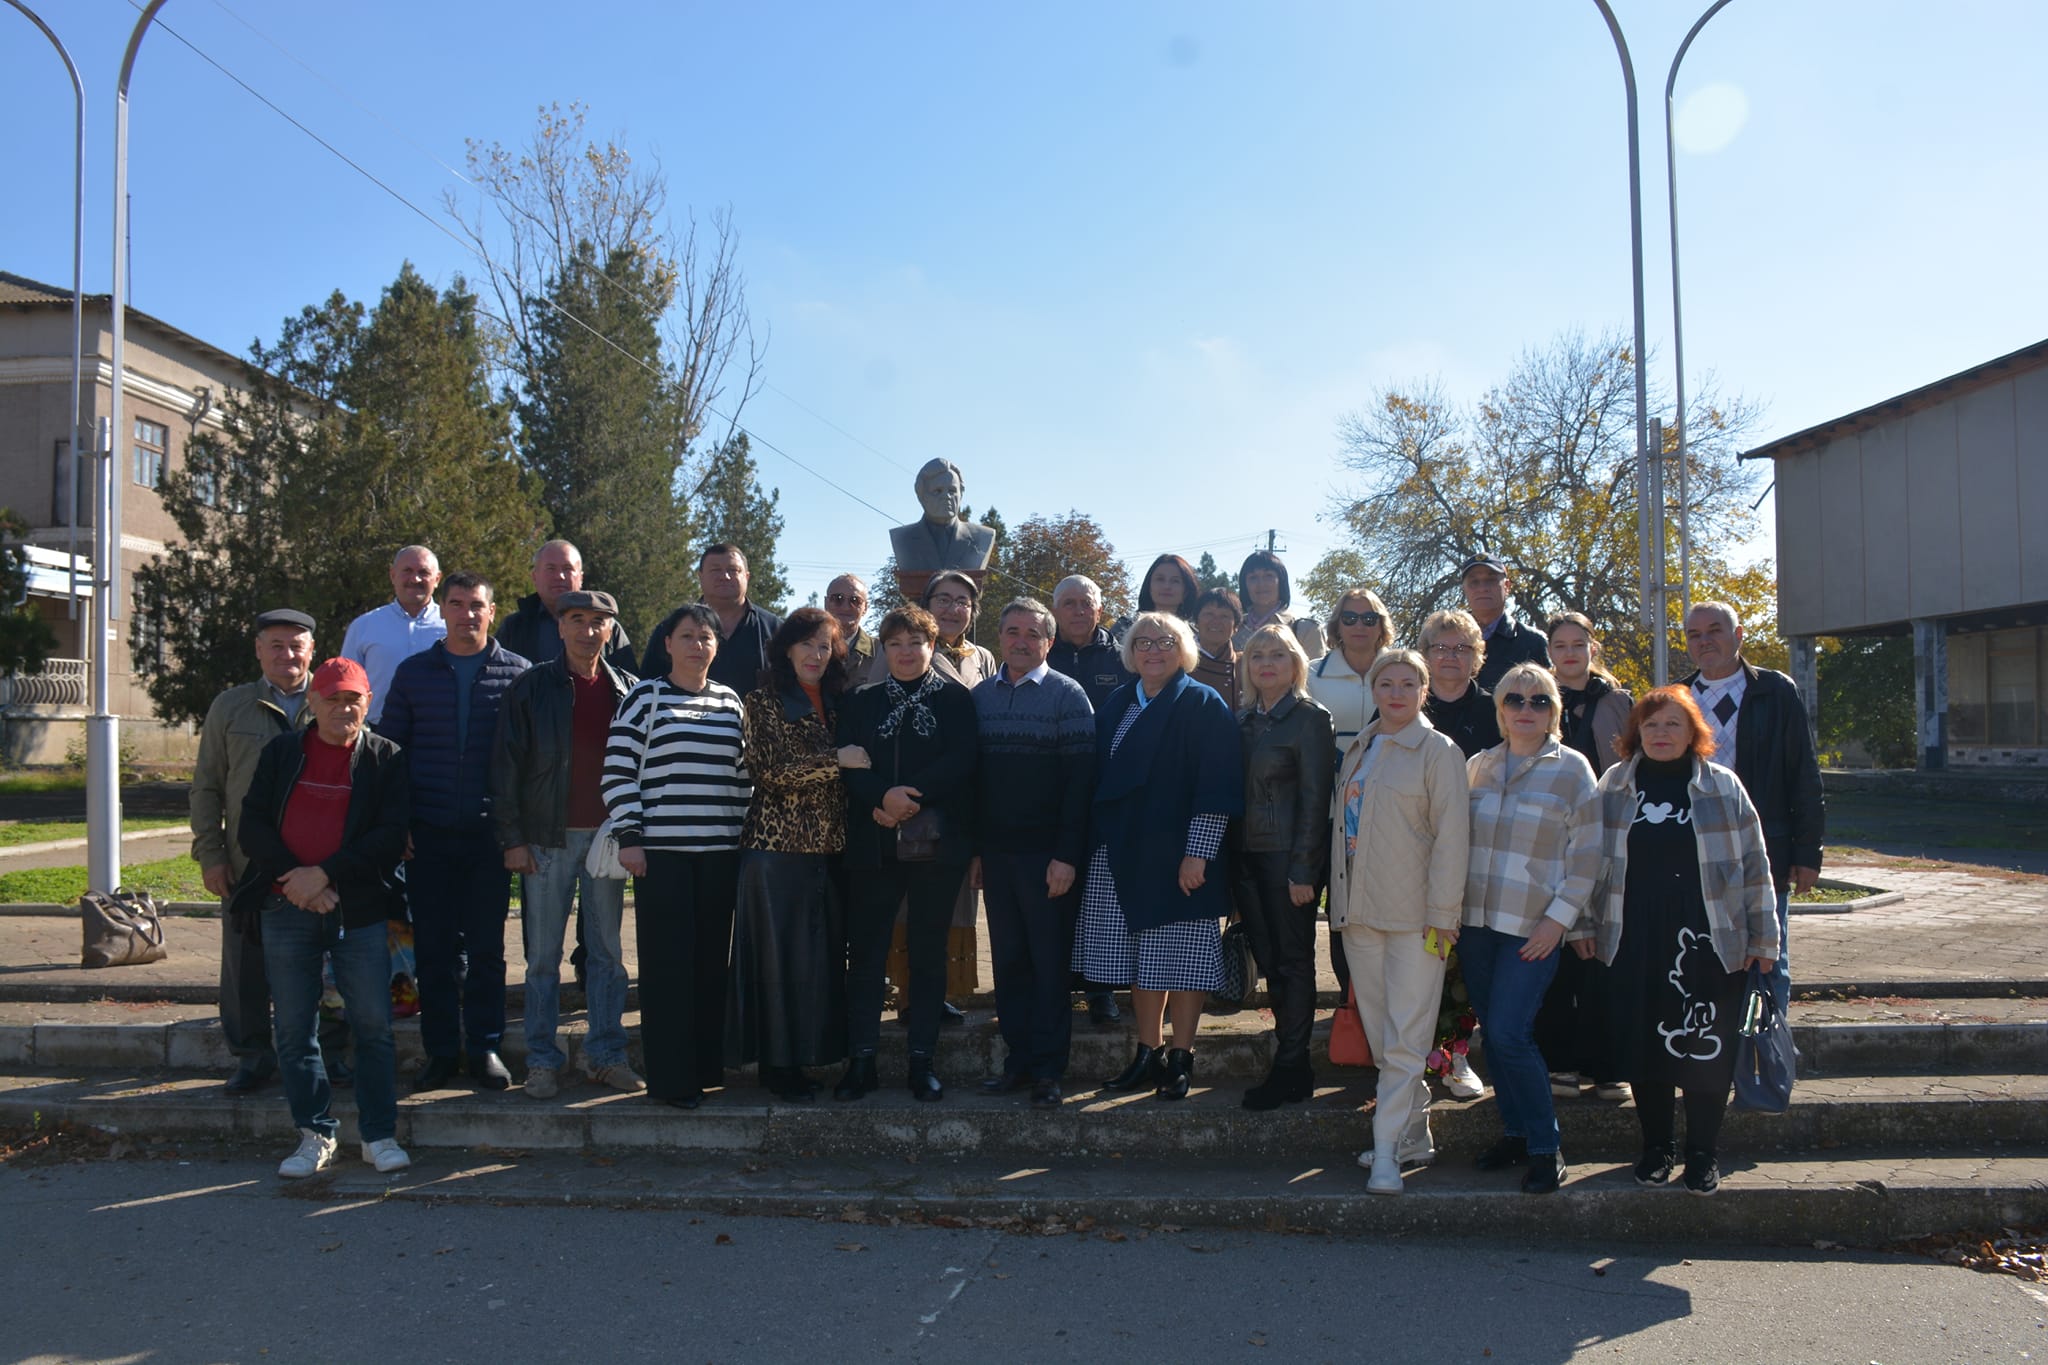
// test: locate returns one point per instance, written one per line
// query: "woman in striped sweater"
(677, 787)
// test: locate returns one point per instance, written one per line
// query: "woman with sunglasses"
(1358, 630)
(1535, 855)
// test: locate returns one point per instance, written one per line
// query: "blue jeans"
(1506, 993)
(294, 941)
(1781, 975)
(544, 901)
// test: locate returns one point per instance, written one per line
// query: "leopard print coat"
(799, 805)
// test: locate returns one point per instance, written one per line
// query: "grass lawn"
(14, 833)
(1829, 895)
(171, 879)
(42, 780)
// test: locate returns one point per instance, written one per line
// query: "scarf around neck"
(906, 702)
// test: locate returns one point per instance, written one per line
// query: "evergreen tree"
(1208, 576)
(737, 512)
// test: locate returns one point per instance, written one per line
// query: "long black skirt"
(786, 994)
(1676, 1008)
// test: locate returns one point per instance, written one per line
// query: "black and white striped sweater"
(675, 768)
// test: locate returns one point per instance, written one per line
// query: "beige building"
(172, 388)
(1928, 514)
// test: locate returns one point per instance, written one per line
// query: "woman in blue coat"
(1169, 778)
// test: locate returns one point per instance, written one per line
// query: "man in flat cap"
(546, 807)
(239, 723)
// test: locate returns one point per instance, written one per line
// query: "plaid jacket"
(1735, 870)
(1535, 839)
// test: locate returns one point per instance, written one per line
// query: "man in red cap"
(323, 828)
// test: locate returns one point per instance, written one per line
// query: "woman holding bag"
(1686, 909)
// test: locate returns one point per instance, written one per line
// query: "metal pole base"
(103, 802)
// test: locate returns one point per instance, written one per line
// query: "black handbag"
(1240, 971)
(1766, 1062)
(917, 839)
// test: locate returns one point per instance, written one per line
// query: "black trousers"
(460, 894)
(931, 889)
(1283, 937)
(682, 923)
(1031, 945)
(1575, 1026)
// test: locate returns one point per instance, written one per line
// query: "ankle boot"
(1145, 1069)
(858, 1078)
(1180, 1070)
(924, 1085)
(1283, 1085)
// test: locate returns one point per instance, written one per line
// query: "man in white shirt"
(382, 639)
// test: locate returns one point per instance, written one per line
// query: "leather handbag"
(1766, 1061)
(1347, 1034)
(124, 929)
(917, 839)
(1240, 971)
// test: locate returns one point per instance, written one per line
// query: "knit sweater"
(1037, 765)
(675, 769)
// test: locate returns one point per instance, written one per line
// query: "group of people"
(810, 812)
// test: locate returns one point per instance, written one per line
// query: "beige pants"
(1399, 984)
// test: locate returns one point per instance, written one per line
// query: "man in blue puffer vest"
(443, 711)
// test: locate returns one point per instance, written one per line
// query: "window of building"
(205, 478)
(1994, 687)
(146, 637)
(152, 452)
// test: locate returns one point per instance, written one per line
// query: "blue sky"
(1135, 258)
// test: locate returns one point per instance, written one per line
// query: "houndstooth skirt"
(1186, 955)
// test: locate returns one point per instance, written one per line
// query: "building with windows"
(1927, 514)
(171, 390)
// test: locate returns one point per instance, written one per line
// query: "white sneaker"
(1414, 1149)
(542, 1082)
(1461, 1082)
(617, 1076)
(1564, 1085)
(386, 1155)
(1386, 1178)
(1614, 1090)
(312, 1157)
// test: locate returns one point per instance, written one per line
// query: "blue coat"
(1182, 758)
(451, 781)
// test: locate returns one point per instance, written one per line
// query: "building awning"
(49, 573)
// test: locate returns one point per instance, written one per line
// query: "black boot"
(1546, 1172)
(858, 1078)
(1147, 1068)
(924, 1085)
(1509, 1151)
(1180, 1071)
(1283, 1085)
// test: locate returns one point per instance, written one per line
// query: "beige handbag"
(125, 929)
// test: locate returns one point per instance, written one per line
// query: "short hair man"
(1488, 586)
(386, 636)
(546, 807)
(443, 711)
(846, 601)
(1760, 730)
(744, 630)
(1083, 650)
(323, 828)
(1033, 781)
(239, 724)
(530, 630)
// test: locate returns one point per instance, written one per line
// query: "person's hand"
(1301, 895)
(901, 803)
(302, 885)
(1059, 878)
(1541, 944)
(521, 859)
(1193, 872)
(1446, 939)
(633, 859)
(326, 902)
(882, 818)
(218, 882)
(1584, 948)
(1803, 879)
(974, 872)
(853, 756)
(1766, 964)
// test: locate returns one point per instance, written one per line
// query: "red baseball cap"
(340, 675)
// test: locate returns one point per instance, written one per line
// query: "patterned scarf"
(904, 702)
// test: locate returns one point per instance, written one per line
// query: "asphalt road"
(166, 1261)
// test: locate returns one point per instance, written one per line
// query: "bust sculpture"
(939, 539)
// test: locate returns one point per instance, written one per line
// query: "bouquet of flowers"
(1454, 1019)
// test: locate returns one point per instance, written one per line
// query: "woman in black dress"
(1685, 911)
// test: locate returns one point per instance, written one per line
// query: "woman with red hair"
(1685, 909)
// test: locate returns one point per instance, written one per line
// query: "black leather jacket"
(530, 757)
(1774, 757)
(1290, 757)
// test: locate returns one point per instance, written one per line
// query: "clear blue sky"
(1134, 258)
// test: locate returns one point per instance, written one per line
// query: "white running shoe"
(1461, 1081)
(386, 1155)
(542, 1082)
(1416, 1148)
(315, 1151)
(1386, 1178)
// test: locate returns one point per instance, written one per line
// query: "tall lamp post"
(103, 727)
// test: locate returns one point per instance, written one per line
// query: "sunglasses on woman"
(1540, 702)
(1358, 618)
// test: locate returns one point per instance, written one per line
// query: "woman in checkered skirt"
(1169, 778)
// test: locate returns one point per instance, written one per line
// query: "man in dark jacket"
(846, 601)
(1760, 731)
(744, 630)
(530, 631)
(323, 828)
(1083, 650)
(443, 710)
(1488, 588)
(546, 808)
